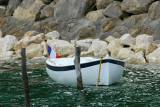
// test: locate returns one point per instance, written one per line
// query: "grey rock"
(102, 4)
(12, 5)
(48, 11)
(46, 25)
(142, 24)
(113, 11)
(73, 28)
(70, 32)
(95, 15)
(139, 24)
(29, 10)
(136, 6)
(15, 27)
(155, 24)
(154, 10)
(110, 24)
(69, 9)
(136, 20)
(87, 32)
(68, 18)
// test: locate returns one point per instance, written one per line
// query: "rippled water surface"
(139, 88)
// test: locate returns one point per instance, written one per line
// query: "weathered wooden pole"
(78, 68)
(25, 78)
(46, 48)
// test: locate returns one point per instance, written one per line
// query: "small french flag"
(52, 53)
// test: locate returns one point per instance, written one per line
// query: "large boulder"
(46, 25)
(96, 50)
(70, 29)
(7, 43)
(34, 50)
(109, 39)
(136, 6)
(16, 27)
(84, 44)
(110, 24)
(102, 4)
(124, 53)
(28, 38)
(154, 10)
(113, 11)
(95, 15)
(61, 47)
(150, 48)
(82, 28)
(142, 42)
(29, 9)
(113, 28)
(137, 58)
(86, 32)
(37, 38)
(29, 34)
(12, 5)
(142, 29)
(128, 40)
(154, 57)
(87, 53)
(23, 43)
(6, 55)
(133, 20)
(141, 24)
(70, 9)
(52, 35)
(155, 25)
(113, 47)
(48, 11)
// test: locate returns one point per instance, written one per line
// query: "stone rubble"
(145, 52)
(125, 29)
(86, 19)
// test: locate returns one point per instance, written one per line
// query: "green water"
(136, 89)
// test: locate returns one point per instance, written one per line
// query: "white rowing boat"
(62, 70)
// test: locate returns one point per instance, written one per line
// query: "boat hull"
(111, 72)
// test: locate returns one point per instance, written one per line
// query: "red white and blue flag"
(52, 53)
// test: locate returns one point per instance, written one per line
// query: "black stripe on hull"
(84, 65)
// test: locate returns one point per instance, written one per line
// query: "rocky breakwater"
(101, 26)
(81, 18)
(139, 50)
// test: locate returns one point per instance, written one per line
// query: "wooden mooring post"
(78, 68)
(25, 78)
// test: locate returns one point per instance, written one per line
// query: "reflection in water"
(136, 88)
